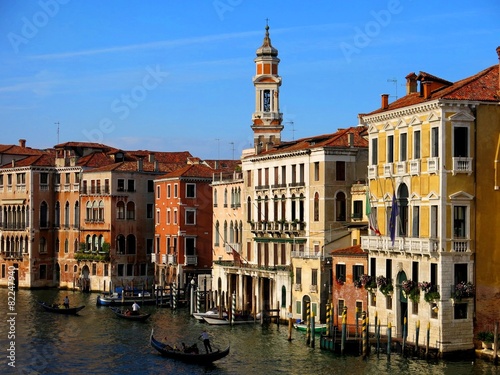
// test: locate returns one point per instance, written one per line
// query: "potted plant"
(368, 282)
(463, 290)
(411, 290)
(385, 285)
(430, 292)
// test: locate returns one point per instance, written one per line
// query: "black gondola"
(199, 359)
(60, 310)
(130, 316)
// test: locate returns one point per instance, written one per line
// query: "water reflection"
(97, 342)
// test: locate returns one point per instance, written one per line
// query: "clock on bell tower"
(267, 119)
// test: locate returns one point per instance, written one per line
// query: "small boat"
(195, 358)
(239, 319)
(318, 328)
(130, 316)
(60, 310)
(209, 313)
(116, 299)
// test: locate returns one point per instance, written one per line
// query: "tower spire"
(267, 118)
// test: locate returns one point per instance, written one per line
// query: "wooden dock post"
(389, 336)
(405, 330)
(417, 333)
(428, 340)
(328, 309)
(344, 330)
(308, 323)
(290, 323)
(313, 330)
(364, 335)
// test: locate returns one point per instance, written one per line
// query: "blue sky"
(177, 75)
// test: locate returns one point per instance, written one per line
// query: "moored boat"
(209, 313)
(318, 328)
(239, 319)
(60, 310)
(195, 358)
(130, 315)
(116, 299)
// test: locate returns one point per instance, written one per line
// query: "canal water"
(96, 342)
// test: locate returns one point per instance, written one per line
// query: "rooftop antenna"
(293, 129)
(232, 143)
(57, 123)
(395, 81)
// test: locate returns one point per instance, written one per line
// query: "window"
(435, 142)
(374, 151)
(460, 141)
(340, 272)
(130, 211)
(357, 271)
(266, 106)
(169, 214)
(359, 309)
(158, 192)
(43, 271)
(94, 269)
(390, 149)
(131, 185)
(149, 245)
(301, 173)
(357, 210)
(149, 211)
(215, 197)
(190, 190)
(340, 170)
(316, 171)
(130, 270)
(283, 296)
(298, 275)
(403, 147)
(340, 207)
(175, 217)
(44, 178)
(416, 144)
(106, 269)
(316, 206)
(190, 217)
(459, 221)
(460, 311)
(314, 277)
(168, 191)
(434, 221)
(414, 271)
(176, 190)
(340, 309)
(217, 233)
(151, 186)
(416, 222)
(120, 210)
(298, 307)
(121, 184)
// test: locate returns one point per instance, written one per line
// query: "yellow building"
(433, 151)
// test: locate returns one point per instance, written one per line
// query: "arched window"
(316, 206)
(66, 246)
(231, 232)
(283, 296)
(88, 243)
(101, 211)
(76, 219)
(95, 211)
(94, 243)
(130, 211)
(44, 215)
(249, 209)
(215, 197)
(57, 213)
(217, 233)
(402, 220)
(225, 233)
(266, 208)
(88, 211)
(120, 210)
(340, 207)
(66, 215)
(225, 197)
(120, 244)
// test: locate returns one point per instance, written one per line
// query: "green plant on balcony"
(411, 290)
(369, 283)
(430, 292)
(463, 290)
(385, 285)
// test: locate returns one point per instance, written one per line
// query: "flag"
(394, 215)
(372, 220)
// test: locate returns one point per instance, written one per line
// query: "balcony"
(388, 170)
(154, 256)
(462, 165)
(233, 246)
(417, 246)
(306, 254)
(97, 256)
(191, 260)
(372, 172)
(400, 168)
(432, 165)
(414, 167)
(460, 245)
(163, 258)
(13, 255)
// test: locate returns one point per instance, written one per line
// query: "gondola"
(131, 316)
(60, 310)
(199, 359)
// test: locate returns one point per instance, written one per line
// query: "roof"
(355, 250)
(43, 160)
(483, 86)
(339, 139)
(193, 170)
(18, 150)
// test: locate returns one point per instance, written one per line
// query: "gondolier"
(135, 308)
(206, 341)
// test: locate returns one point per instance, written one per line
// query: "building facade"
(431, 153)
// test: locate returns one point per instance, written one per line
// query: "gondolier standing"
(66, 302)
(206, 341)
(135, 308)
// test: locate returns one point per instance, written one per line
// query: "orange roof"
(193, 170)
(43, 160)
(355, 250)
(483, 86)
(18, 150)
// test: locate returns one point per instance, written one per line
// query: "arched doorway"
(403, 303)
(57, 274)
(306, 300)
(85, 280)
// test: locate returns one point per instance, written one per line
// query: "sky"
(177, 75)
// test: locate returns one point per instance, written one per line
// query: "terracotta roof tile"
(18, 150)
(351, 250)
(43, 160)
(193, 170)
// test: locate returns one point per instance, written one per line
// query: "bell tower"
(266, 120)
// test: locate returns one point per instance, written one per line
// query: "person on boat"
(206, 341)
(135, 308)
(66, 302)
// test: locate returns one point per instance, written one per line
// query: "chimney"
(411, 83)
(427, 89)
(385, 101)
(22, 142)
(13, 163)
(350, 139)
(151, 157)
(139, 165)
(155, 163)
